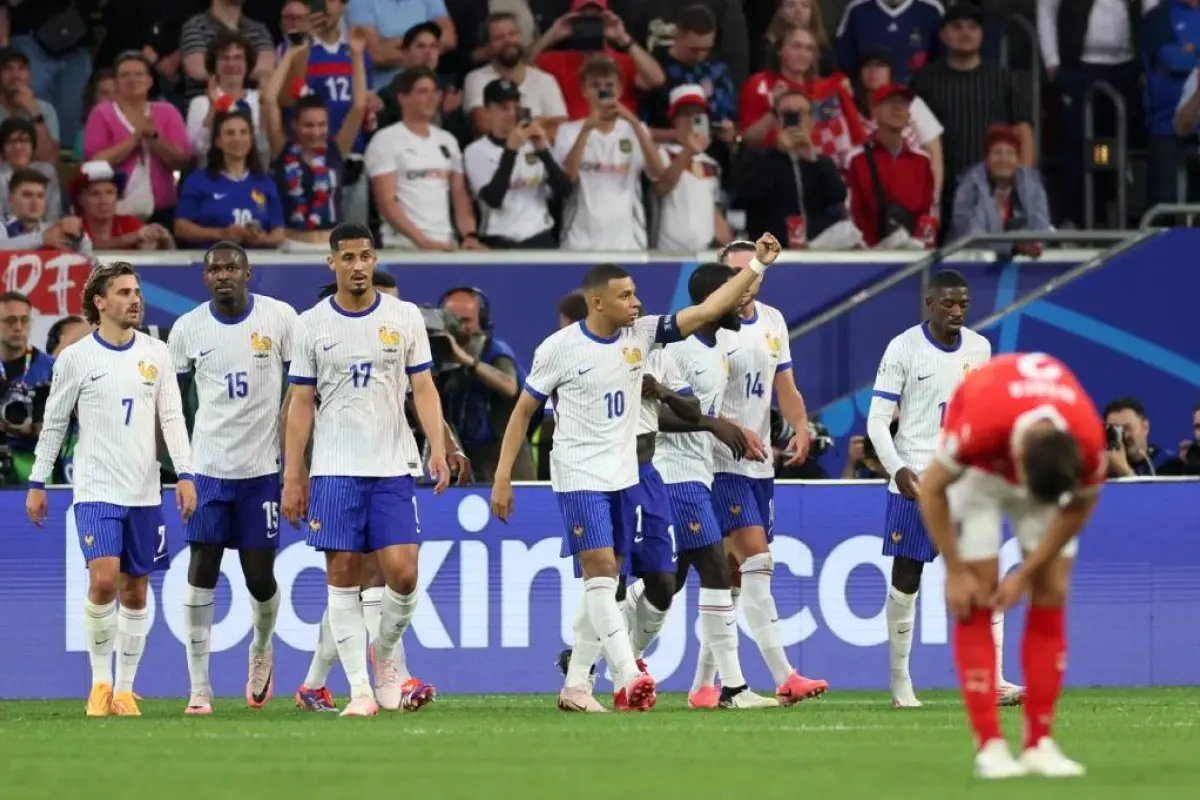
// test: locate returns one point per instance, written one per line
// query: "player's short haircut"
(598, 277)
(947, 279)
(573, 307)
(597, 67)
(1052, 464)
(348, 231)
(224, 248)
(409, 78)
(380, 280)
(1128, 403)
(707, 279)
(97, 286)
(696, 19)
(740, 246)
(27, 175)
(54, 335)
(15, 297)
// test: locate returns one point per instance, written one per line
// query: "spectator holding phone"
(604, 156)
(513, 174)
(233, 198)
(507, 59)
(591, 29)
(689, 217)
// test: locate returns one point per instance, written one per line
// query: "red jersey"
(565, 65)
(906, 179)
(1006, 395)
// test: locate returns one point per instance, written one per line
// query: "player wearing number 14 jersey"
(234, 349)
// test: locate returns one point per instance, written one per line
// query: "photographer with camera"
(862, 462)
(1130, 453)
(23, 389)
(1189, 450)
(477, 377)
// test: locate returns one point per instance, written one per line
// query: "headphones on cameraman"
(485, 305)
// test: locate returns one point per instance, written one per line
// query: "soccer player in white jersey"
(594, 370)
(919, 371)
(359, 350)
(685, 459)
(235, 348)
(744, 491)
(118, 384)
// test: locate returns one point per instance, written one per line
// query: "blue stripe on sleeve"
(895, 398)
(668, 330)
(534, 393)
(783, 367)
(415, 368)
(299, 381)
(686, 391)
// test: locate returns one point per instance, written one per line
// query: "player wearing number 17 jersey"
(595, 370)
(234, 348)
(919, 370)
(1021, 440)
(118, 383)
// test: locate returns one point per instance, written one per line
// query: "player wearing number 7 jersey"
(594, 370)
(234, 350)
(118, 383)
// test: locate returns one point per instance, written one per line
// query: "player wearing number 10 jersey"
(595, 372)
(118, 383)
(234, 349)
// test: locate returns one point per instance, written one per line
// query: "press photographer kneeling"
(23, 389)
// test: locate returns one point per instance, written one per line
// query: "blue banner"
(497, 602)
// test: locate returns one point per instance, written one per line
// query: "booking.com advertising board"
(497, 602)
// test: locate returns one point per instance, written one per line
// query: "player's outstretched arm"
(514, 439)
(729, 296)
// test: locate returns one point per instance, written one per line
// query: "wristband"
(757, 267)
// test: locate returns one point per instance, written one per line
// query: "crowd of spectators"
(590, 124)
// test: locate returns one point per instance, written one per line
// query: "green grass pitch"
(1139, 744)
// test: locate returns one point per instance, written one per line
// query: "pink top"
(106, 127)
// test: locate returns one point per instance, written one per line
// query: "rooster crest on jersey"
(259, 198)
(389, 338)
(633, 355)
(148, 371)
(314, 525)
(774, 344)
(261, 344)
(577, 530)
(694, 527)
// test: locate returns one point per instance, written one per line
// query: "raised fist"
(767, 249)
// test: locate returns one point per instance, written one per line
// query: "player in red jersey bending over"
(1021, 438)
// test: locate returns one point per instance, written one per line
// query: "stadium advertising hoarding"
(497, 601)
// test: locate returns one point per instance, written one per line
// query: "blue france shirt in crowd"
(221, 201)
(328, 75)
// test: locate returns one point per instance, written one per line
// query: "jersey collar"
(930, 338)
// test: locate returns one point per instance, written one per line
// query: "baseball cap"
(579, 5)
(963, 11)
(500, 90)
(411, 34)
(876, 53)
(11, 54)
(890, 90)
(687, 94)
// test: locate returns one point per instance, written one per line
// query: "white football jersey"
(118, 395)
(663, 369)
(424, 167)
(756, 353)
(605, 212)
(920, 374)
(239, 367)
(686, 457)
(596, 385)
(359, 361)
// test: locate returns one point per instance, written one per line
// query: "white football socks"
(630, 602)
(263, 615)
(706, 665)
(901, 612)
(762, 615)
(350, 637)
(198, 616)
(132, 626)
(719, 636)
(372, 603)
(585, 651)
(397, 611)
(100, 625)
(998, 638)
(647, 623)
(600, 594)
(324, 656)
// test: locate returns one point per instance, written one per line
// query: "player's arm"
(299, 410)
(428, 406)
(725, 299)
(173, 424)
(544, 377)
(935, 510)
(64, 393)
(885, 397)
(526, 406)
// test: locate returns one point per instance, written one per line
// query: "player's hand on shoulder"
(908, 483)
(185, 498)
(36, 506)
(502, 498)
(767, 249)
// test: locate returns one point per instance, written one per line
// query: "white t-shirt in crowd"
(525, 211)
(685, 217)
(605, 211)
(539, 91)
(423, 166)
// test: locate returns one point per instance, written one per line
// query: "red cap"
(688, 94)
(578, 5)
(998, 134)
(890, 90)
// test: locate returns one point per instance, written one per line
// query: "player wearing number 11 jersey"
(234, 349)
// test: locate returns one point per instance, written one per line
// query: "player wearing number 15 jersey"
(595, 372)
(1021, 440)
(234, 349)
(919, 370)
(360, 349)
(118, 383)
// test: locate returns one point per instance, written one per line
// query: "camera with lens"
(16, 402)
(1115, 435)
(441, 327)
